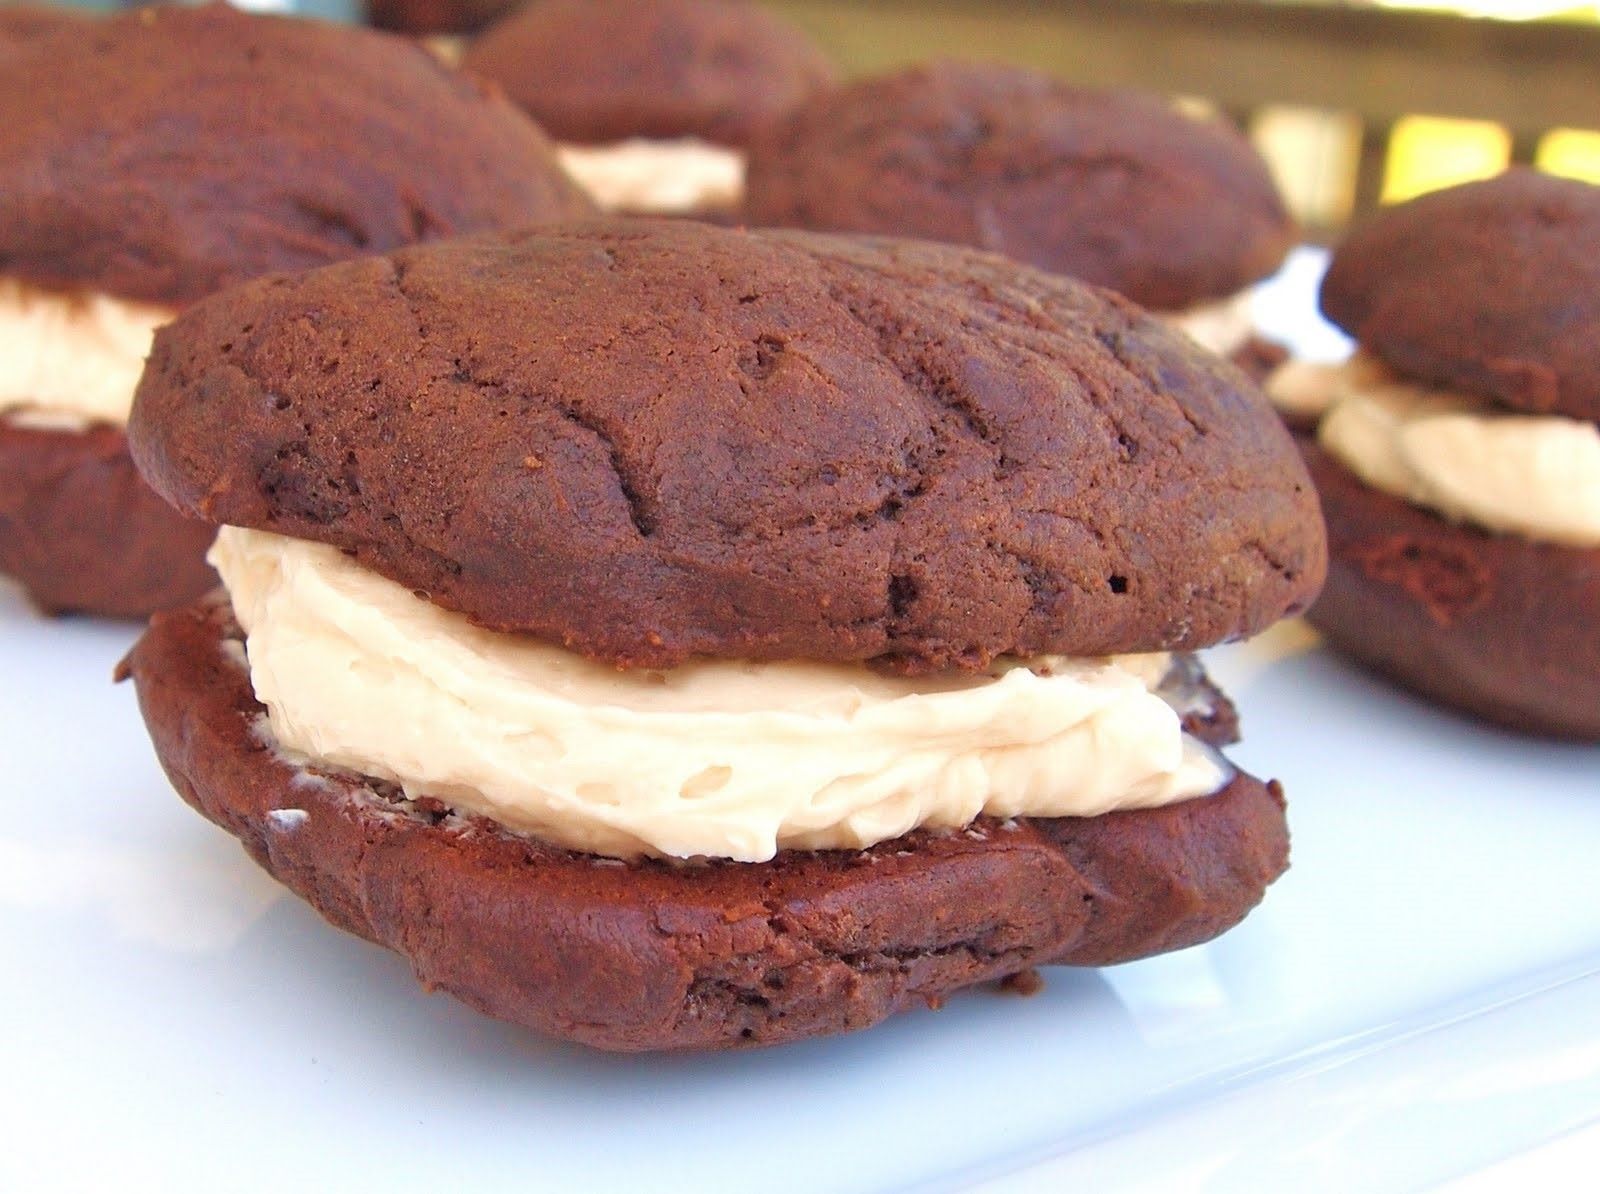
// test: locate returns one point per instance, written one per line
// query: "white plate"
(1419, 997)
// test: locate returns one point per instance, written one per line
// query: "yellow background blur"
(1427, 152)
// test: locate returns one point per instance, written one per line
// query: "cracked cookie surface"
(654, 440)
(659, 955)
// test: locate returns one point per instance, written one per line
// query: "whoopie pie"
(152, 158)
(674, 637)
(653, 101)
(1458, 452)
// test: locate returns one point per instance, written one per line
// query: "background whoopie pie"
(1458, 453)
(149, 159)
(704, 638)
(653, 101)
(1117, 188)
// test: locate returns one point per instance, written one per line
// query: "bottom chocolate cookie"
(84, 534)
(1495, 625)
(668, 955)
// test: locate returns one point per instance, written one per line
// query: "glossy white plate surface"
(1418, 998)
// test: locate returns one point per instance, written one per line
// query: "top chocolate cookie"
(1114, 187)
(593, 71)
(652, 440)
(165, 153)
(1492, 288)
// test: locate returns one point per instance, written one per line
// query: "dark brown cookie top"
(1114, 187)
(652, 440)
(1492, 288)
(593, 71)
(165, 153)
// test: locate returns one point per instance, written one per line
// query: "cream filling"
(665, 177)
(1222, 327)
(1306, 390)
(1537, 476)
(714, 758)
(71, 360)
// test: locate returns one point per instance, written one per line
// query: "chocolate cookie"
(1494, 624)
(163, 154)
(1492, 288)
(595, 71)
(657, 955)
(1113, 187)
(84, 534)
(911, 453)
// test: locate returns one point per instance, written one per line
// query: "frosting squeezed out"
(724, 759)
(662, 177)
(1537, 476)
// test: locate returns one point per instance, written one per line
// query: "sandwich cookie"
(653, 101)
(698, 638)
(150, 159)
(1458, 452)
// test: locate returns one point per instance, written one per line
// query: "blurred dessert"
(163, 156)
(1114, 187)
(1458, 452)
(652, 101)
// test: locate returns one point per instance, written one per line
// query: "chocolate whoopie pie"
(700, 638)
(1458, 454)
(149, 159)
(1118, 188)
(652, 100)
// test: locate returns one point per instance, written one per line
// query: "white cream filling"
(665, 177)
(1222, 327)
(71, 360)
(1304, 390)
(715, 758)
(1537, 476)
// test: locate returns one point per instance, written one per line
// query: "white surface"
(1418, 998)
(1567, 1163)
